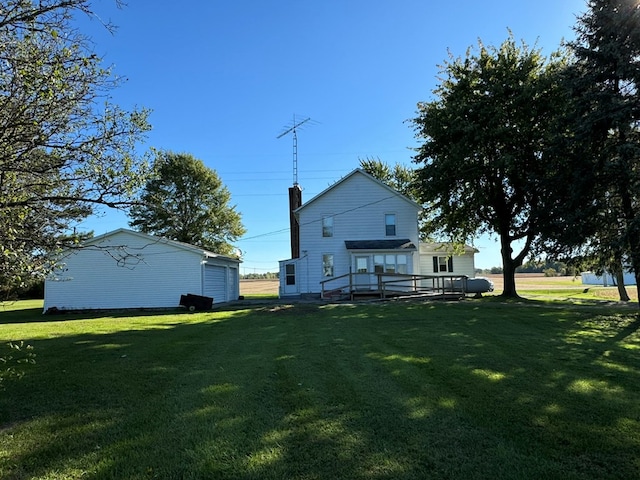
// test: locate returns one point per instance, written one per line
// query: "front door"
(362, 277)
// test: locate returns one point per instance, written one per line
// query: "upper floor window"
(390, 224)
(327, 226)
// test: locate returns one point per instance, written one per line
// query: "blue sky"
(224, 79)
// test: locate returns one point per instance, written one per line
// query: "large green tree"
(186, 201)
(65, 147)
(486, 149)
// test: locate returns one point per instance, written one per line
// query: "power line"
(316, 221)
(262, 172)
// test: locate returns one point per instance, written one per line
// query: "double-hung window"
(390, 224)
(442, 264)
(327, 265)
(327, 226)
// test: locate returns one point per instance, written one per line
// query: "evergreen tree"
(604, 82)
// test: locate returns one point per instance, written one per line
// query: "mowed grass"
(535, 286)
(398, 390)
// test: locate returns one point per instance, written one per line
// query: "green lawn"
(475, 389)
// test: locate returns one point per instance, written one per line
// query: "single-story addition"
(439, 258)
(128, 269)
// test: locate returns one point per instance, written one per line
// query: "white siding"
(358, 205)
(124, 271)
(462, 264)
(130, 270)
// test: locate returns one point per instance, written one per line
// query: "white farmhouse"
(128, 269)
(355, 230)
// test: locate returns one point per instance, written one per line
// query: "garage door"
(215, 283)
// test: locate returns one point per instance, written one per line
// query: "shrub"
(12, 362)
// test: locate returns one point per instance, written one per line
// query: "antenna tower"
(292, 129)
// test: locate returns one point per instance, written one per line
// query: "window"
(290, 273)
(378, 263)
(390, 224)
(361, 264)
(401, 264)
(327, 265)
(327, 226)
(390, 263)
(442, 264)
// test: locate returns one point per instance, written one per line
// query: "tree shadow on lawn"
(308, 391)
(35, 315)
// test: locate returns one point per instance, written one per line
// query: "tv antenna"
(292, 128)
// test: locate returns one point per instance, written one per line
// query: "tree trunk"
(622, 290)
(509, 278)
(509, 266)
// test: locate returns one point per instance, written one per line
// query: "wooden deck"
(387, 285)
(379, 294)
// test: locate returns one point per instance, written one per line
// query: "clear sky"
(224, 78)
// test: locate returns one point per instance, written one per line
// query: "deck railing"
(385, 284)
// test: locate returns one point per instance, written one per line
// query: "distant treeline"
(549, 268)
(260, 276)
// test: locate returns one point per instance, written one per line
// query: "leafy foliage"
(65, 148)
(486, 147)
(13, 361)
(187, 202)
(399, 177)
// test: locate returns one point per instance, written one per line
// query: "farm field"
(253, 287)
(397, 390)
(529, 285)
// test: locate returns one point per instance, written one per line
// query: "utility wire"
(275, 232)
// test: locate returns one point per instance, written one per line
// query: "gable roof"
(161, 240)
(359, 171)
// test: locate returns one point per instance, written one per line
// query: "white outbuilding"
(128, 269)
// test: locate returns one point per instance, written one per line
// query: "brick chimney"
(295, 201)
